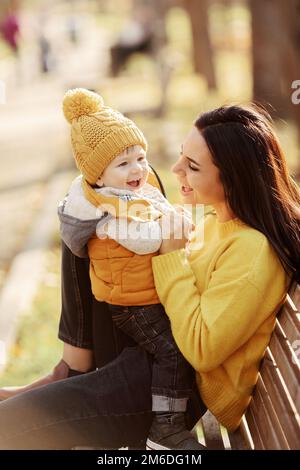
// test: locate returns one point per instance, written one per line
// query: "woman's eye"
(193, 168)
(123, 164)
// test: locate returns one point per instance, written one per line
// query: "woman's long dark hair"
(257, 185)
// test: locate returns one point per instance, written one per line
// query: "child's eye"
(140, 159)
(123, 164)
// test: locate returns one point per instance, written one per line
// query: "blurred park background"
(161, 62)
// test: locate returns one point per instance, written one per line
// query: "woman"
(221, 295)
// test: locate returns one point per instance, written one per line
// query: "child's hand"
(102, 232)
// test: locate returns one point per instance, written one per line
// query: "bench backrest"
(272, 420)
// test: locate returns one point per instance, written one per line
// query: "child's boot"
(168, 431)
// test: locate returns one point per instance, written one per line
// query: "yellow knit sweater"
(222, 301)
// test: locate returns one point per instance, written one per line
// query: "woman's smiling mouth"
(185, 190)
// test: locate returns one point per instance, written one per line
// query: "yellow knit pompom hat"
(98, 133)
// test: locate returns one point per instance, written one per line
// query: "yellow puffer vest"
(119, 276)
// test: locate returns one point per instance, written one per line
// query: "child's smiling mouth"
(134, 183)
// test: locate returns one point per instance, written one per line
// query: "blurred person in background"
(46, 58)
(10, 27)
(136, 36)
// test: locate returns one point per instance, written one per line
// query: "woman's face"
(198, 176)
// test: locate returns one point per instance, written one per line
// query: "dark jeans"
(172, 375)
(107, 408)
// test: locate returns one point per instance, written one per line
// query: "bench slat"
(212, 433)
(254, 430)
(295, 295)
(225, 438)
(272, 415)
(198, 432)
(271, 433)
(289, 322)
(287, 362)
(241, 438)
(282, 403)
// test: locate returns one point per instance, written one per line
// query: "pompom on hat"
(98, 133)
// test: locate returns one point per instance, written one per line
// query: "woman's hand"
(176, 229)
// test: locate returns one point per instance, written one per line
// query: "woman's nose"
(177, 168)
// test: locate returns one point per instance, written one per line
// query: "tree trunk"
(291, 18)
(267, 52)
(202, 47)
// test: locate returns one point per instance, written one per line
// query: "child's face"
(127, 171)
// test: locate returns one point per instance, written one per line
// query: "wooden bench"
(272, 420)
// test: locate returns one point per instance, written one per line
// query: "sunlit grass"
(37, 348)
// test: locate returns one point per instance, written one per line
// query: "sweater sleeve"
(208, 328)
